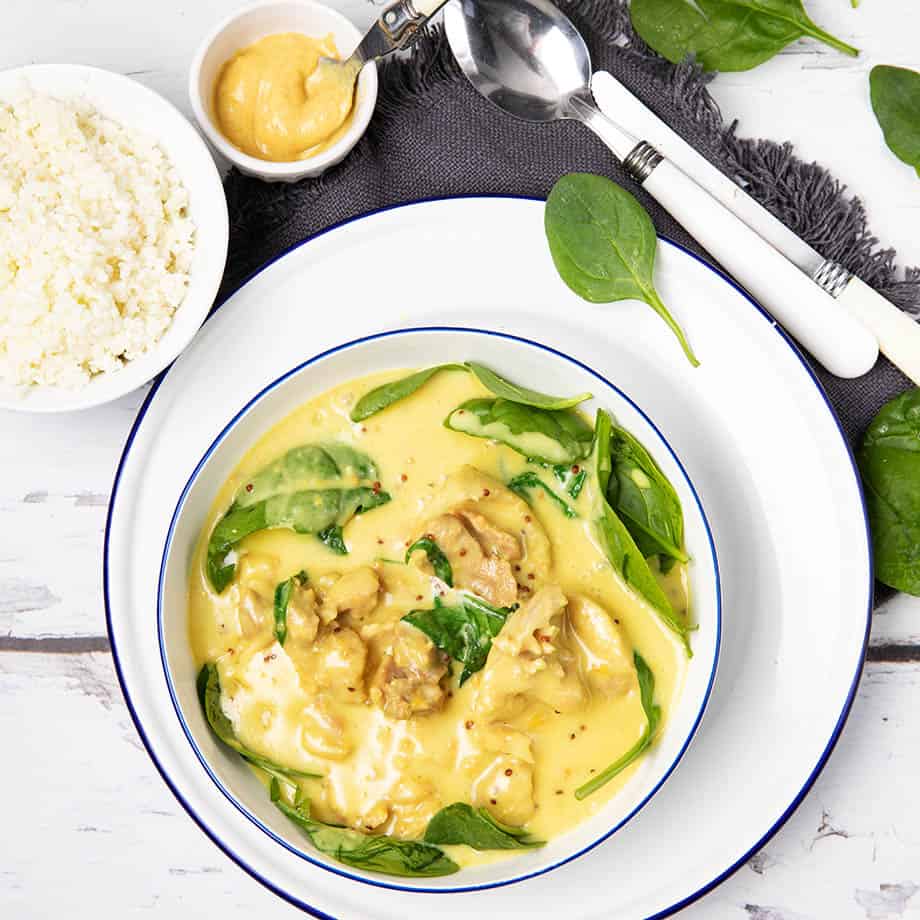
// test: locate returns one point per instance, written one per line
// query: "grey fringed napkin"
(432, 136)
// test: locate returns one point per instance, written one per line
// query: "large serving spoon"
(528, 58)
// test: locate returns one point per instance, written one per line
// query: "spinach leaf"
(652, 716)
(572, 478)
(306, 467)
(523, 482)
(553, 436)
(603, 245)
(436, 557)
(461, 823)
(362, 851)
(208, 686)
(499, 386)
(618, 544)
(386, 394)
(726, 34)
(311, 511)
(895, 94)
(464, 631)
(334, 539)
(889, 460)
(283, 593)
(644, 499)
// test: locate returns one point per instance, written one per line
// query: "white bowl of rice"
(113, 236)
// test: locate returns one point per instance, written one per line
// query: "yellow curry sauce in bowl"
(416, 637)
(263, 102)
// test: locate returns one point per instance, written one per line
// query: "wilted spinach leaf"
(644, 499)
(208, 686)
(726, 34)
(311, 511)
(283, 593)
(464, 631)
(889, 460)
(388, 855)
(333, 538)
(499, 386)
(461, 823)
(652, 716)
(524, 482)
(618, 544)
(554, 436)
(436, 557)
(386, 394)
(603, 245)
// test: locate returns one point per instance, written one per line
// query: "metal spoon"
(396, 28)
(528, 58)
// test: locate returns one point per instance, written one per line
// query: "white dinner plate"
(753, 430)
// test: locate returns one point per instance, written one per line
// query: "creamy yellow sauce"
(275, 101)
(387, 774)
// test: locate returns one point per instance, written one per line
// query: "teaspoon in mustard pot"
(527, 57)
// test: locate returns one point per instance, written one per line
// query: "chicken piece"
(526, 665)
(413, 803)
(499, 738)
(338, 664)
(505, 788)
(256, 591)
(488, 576)
(323, 732)
(493, 540)
(606, 659)
(470, 490)
(408, 679)
(530, 630)
(302, 618)
(355, 593)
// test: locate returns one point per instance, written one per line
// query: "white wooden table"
(89, 829)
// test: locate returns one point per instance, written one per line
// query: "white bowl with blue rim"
(524, 361)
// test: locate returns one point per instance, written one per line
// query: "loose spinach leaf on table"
(895, 94)
(311, 511)
(386, 394)
(726, 34)
(889, 461)
(603, 244)
(619, 546)
(283, 593)
(461, 823)
(644, 499)
(499, 386)
(552, 436)
(524, 482)
(208, 686)
(652, 716)
(463, 631)
(439, 562)
(407, 858)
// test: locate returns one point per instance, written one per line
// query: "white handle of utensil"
(897, 333)
(616, 101)
(834, 336)
(427, 7)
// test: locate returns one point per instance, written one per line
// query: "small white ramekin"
(249, 25)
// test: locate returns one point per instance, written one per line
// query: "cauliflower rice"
(95, 242)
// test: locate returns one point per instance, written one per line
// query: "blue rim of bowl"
(847, 703)
(215, 445)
